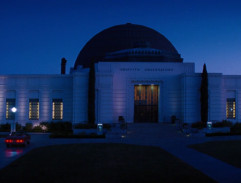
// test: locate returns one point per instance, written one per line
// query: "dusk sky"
(36, 34)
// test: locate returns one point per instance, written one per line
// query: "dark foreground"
(100, 163)
(227, 151)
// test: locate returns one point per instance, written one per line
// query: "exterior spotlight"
(14, 109)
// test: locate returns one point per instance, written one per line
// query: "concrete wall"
(80, 95)
(43, 87)
(116, 81)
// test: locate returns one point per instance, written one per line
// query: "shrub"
(107, 126)
(90, 126)
(5, 127)
(37, 129)
(18, 126)
(224, 123)
(236, 128)
(60, 127)
(199, 125)
(85, 126)
(45, 126)
(28, 127)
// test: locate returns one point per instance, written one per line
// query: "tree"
(91, 95)
(204, 95)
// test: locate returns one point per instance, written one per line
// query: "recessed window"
(230, 108)
(10, 103)
(33, 109)
(57, 109)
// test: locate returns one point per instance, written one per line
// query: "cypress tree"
(204, 95)
(91, 94)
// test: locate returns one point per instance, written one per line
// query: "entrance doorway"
(146, 103)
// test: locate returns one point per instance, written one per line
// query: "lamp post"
(13, 125)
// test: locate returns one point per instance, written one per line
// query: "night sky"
(36, 34)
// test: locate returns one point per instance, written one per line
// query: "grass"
(227, 151)
(100, 163)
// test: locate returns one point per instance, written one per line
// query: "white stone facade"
(178, 92)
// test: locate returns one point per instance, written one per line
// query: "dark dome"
(123, 37)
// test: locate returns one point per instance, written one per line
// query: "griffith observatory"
(126, 71)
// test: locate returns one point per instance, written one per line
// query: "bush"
(28, 127)
(18, 126)
(236, 128)
(107, 126)
(224, 123)
(199, 125)
(90, 126)
(5, 127)
(85, 126)
(60, 127)
(37, 129)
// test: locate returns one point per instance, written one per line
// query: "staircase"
(144, 130)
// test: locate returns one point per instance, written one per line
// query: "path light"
(100, 129)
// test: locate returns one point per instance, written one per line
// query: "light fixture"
(14, 109)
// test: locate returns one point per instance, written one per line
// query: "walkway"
(168, 138)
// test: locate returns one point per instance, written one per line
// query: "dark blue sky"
(36, 34)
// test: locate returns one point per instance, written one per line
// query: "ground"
(227, 151)
(100, 163)
(165, 136)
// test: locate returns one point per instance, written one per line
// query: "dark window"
(230, 108)
(33, 109)
(57, 109)
(10, 103)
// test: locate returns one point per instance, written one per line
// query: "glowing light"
(44, 128)
(57, 109)
(34, 109)
(14, 109)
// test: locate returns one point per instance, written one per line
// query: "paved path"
(176, 143)
(165, 136)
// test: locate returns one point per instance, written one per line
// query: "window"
(33, 109)
(10, 103)
(231, 108)
(57, 109)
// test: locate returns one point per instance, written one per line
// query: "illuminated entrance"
(146, 103)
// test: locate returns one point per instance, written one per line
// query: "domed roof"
(123, 37)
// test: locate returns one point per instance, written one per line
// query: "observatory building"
(128, 71)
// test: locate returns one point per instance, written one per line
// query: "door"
(146, 103)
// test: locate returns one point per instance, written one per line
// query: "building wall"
(116, 81)
(80, 95)
(43, 87)
(232, 89)
(178, 85)
(190, 96)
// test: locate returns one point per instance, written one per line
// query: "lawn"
(100, 163)
(227, 151)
